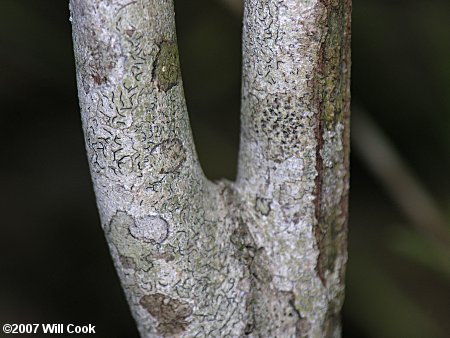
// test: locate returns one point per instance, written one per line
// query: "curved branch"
(132, 103)
(159, 212)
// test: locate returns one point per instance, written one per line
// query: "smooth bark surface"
(264, 256)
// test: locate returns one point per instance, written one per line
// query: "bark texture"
(263, 256)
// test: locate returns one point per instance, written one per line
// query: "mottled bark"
(264, 256)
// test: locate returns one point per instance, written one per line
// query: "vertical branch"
(293, 162)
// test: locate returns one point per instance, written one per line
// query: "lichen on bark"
(294, 149)
(260, 257)
(167, 65)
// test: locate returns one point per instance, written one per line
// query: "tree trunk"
(263, 256)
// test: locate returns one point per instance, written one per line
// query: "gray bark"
(263, 256)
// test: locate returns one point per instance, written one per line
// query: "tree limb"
(162, 218)
(264, 256)
(293, 162)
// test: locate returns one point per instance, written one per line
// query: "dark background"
(54, 263)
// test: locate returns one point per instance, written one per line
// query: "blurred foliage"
(428, 253)
(54, 262)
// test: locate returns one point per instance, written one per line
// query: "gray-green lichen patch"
(150, 229)
(131, 237)
(167, 66)
(171, 314)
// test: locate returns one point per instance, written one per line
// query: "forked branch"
(264, 256)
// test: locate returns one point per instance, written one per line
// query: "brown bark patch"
(171, 313)
(331, 98)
